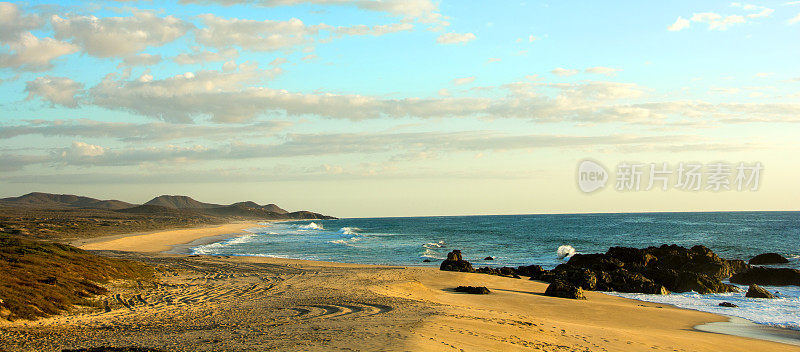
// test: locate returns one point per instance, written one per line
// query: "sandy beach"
(165, 241)
(211, 303)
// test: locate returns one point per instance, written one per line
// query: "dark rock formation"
(455, 262)
(768, 258)
(504, 271)
(598, 261)
(655, 270)
(426, 260)
(756, 291)
(530, 270)
(564, 290)
(475, 290)
(728, 304)
(488, 258)
(767, 276)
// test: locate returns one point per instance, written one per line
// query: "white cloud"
(563, 72)
(397, 146)
(30, 53)
(140, 132)
(421, 10)
(14, 23)
(180, 97)
(140, 60)
(680, 23)
(718, 22)
(465, 80)
(493, 60)
(197, 57)
(455, 38)
(600, 70)
(376, 30)
(794, 19)
(56, 90)
(81, 149)
(761, 10)
(271, 35)
(119, 36)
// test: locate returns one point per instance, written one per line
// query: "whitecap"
(349, 230)
(565, 251)
(432, 254)
(439, 244)
(346, 242)
(311, 226)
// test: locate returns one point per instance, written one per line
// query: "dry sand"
(247, 303)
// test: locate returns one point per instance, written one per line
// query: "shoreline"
(178, 242)
(166, 240)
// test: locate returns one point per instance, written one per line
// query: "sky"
(361, 108)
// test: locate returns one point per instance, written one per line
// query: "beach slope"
(208, 303)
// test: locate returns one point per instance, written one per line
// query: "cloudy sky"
(397, 107)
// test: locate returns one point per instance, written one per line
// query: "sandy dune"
(246, 303)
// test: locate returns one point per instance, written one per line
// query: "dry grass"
(67, 224)
(38, 279)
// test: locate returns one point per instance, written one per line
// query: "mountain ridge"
(163, 204)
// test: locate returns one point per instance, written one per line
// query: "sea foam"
(311, 226)
(565, 251)
(779, 312)
(349, 230)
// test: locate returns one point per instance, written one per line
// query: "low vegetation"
(39, 279)
(70, 224)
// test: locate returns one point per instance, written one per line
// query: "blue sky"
(389, 107)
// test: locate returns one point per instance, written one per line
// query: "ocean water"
(535, 239)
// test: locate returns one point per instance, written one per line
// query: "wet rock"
(656, 270)
(426, 260)
(455, 262)
(626, 281)
(756, 291)
(768, 276)
(768, 258)
(531, 271)
(700, 283)
(488, 258)
(504, 271)
(728, 304)
(630, 255)
(474, 290)
(597, 261)
(564, 290)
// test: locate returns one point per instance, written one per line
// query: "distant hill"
(303, 215)
(164, 205)
(62, 201)
(179, 202)
(156, 210)
(269, 207)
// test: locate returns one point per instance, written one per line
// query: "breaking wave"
(565, 251)
(311, 226)
(349, 230)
